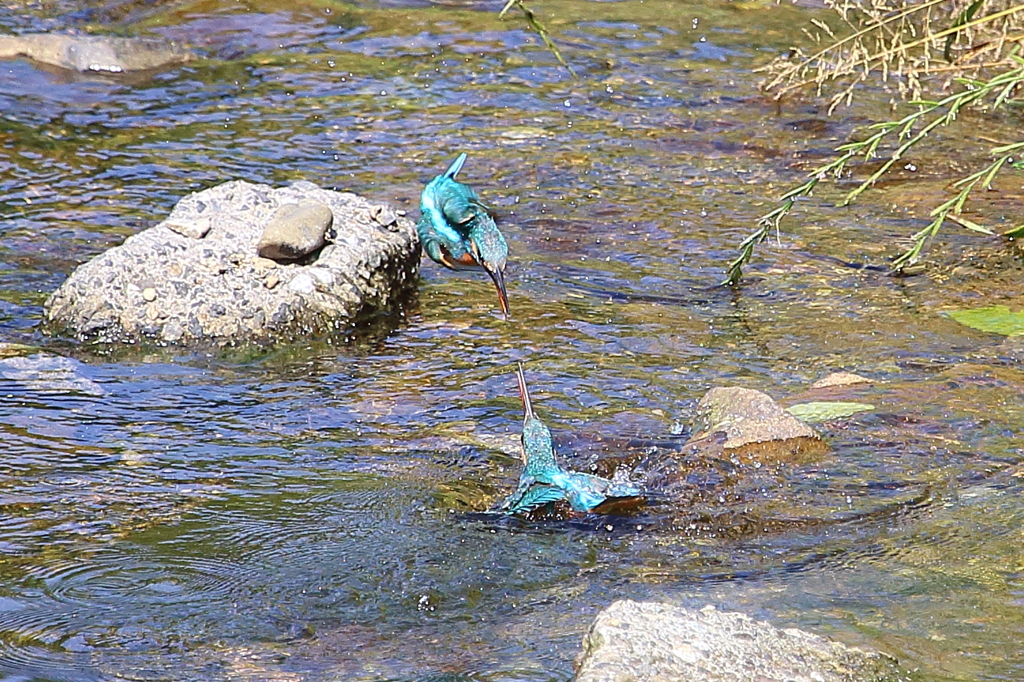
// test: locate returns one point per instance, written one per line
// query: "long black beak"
(499, 283)
(524, 394)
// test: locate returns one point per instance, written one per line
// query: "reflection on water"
(315, 511)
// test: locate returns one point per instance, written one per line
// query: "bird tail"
(524, 393)
(456, 166)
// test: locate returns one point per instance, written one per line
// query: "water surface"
(312, 511)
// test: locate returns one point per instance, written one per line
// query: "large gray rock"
(197, 276)
(94, 53)
(650, 642)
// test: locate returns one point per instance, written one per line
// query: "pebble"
(295, 231)
(384, 216)
(840, 379)
(194, 228)
(302, 283)
(149, 293)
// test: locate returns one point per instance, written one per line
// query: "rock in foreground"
(197, 275)
(650, 642)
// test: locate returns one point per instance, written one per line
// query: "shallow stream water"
(311, 511)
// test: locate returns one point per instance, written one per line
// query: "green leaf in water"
(997, 318)
(969, 224)
(1015, 232)
(8, 350)
(815, 412)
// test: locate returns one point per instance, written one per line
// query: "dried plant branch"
(783, 74)
(901, 41)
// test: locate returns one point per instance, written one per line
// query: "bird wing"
(537, 496)
(587, 492)
(459, 204)
(529, 496)
(443, 249)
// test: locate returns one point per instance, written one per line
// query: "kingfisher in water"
(543, 481)
(456, 230)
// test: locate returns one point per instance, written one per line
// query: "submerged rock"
(647, 642)
(48, 373)
(754, 425)
(106, 54)
(197, 275)
(840, 379)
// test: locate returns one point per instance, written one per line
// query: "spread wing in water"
(530, 496)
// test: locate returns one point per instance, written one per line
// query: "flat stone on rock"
(754, 425)
(296, 231)
(650, 642)
(176, 285)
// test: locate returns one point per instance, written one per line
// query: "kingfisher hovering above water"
(544, 481)
(456, 230)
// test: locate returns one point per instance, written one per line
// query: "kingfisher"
(457, 231)
(544, 481)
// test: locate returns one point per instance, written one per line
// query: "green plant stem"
(955, 205)
(538, 27)
(935, 114)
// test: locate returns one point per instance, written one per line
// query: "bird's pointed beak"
(524, 394)
(499, 283)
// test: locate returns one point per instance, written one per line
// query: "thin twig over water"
(535, 24)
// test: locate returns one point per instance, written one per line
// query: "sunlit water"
(313, 511)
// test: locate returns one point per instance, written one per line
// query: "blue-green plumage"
(457, 231)
(544, 481)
